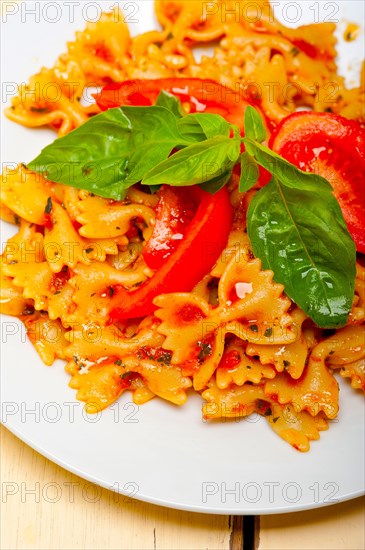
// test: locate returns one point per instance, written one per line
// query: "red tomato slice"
(333, 147)
(184, 266)
(174, 213)
(203, 96)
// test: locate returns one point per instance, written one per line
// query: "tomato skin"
(174, 213)
(193, 258)
(230, 359)
(189, 314)
(60, 279)
(333, 147)
(204, 96)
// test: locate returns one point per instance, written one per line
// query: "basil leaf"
(249, 172)
(197, 163)
(211, 124)
(302, 237)
(215, 184)
(171, 103)
(154, 188)
(200, 126)
(287, 173)
(253, 124)
(112, 150)
(191, 130)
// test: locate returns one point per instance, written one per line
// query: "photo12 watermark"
(68, 412)
(270, 492)
(68, 492)
(288, 12)
(54, 12)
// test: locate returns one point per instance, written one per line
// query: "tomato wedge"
(333, 147)
(174, 213)
(203, 96)
(181, 267)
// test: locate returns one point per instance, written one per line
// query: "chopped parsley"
(165, 358)
(48, 208)
(206, 350)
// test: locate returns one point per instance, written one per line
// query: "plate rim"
(169, 504)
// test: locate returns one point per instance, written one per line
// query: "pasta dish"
(200, 225)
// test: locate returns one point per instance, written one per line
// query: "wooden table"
(45, 507)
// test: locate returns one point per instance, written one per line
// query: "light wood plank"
(341, 527)
(112, 521)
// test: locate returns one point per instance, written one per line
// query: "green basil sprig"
(249, 172)
(294, 223)
(197, 163)
(254, 127)
(301, 235)
(171, 103)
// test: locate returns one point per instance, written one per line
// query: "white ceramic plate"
(160, 453)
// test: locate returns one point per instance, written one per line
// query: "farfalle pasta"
(272, 363)
(236, 338)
